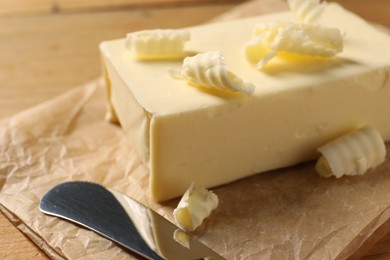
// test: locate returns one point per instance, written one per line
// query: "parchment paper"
(285, 214)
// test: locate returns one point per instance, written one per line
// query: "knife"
(123, 220)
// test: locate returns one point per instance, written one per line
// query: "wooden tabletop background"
(49, 46)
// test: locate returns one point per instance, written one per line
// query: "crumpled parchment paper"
(285, 214)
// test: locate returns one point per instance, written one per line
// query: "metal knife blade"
(123, 220)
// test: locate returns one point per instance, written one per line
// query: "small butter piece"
(308, 11)
(182, 238)
(195, 205)
(303, 39)
(209, 70)
(352, 154)
(157, 44)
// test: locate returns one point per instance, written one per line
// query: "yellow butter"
(182, 238)
(304, 39)
(195, 206)
(185, 134)
(209, 70)
(352, 154)
(157, 44)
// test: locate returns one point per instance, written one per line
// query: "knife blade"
(123, 220)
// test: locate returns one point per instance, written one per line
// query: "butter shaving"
(157, 44)
(352, 154)
(209, 70)
(182, 238)
(308, 11)
(303, 39)
(195, 205)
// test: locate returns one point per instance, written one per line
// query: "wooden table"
(48, 46)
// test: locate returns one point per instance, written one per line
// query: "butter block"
(188, 134)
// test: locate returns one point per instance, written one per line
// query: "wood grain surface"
(49, 46)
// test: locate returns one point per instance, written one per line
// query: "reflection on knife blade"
(123, 220)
